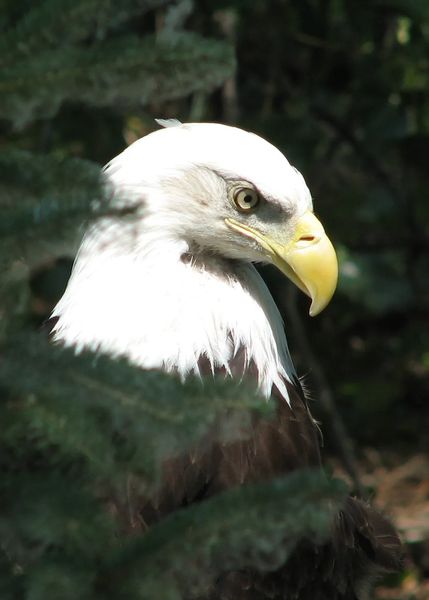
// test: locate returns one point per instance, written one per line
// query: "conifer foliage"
(79, 432)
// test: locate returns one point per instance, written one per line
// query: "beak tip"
(317, 308)
(313, 312)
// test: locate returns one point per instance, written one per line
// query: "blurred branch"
(415, 241)
(373, 166)
(49, 24)
(176, 15)
(227, 20)
(376, 242)
(198, 108)
(124, 71)
(341, 436)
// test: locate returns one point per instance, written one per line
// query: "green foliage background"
(341, 86)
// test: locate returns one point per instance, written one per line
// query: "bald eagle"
(175, 288)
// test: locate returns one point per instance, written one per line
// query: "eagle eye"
(245, 199)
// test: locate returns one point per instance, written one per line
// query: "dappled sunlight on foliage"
(342, 89)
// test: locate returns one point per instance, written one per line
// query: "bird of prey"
(175, 288)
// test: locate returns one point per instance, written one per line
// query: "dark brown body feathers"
(363, 543)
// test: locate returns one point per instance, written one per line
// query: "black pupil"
(248, 199)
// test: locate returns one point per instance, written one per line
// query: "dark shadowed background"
(341, 87)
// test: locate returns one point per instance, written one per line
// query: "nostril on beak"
(306, 240)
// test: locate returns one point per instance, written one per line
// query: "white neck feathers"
(161, 310)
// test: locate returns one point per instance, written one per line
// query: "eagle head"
(231, 193)
(175, 283)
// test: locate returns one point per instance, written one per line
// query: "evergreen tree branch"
(115, 417)
(123, 72)
(342, 438)
(51, 24)
(255, 526)
(39, 190)
(43, 201)
(54, 530)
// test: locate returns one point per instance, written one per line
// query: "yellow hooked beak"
(308, 259)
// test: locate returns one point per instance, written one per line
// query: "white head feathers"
(176, 285)
(227, 150)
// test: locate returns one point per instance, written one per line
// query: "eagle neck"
(163, 307)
